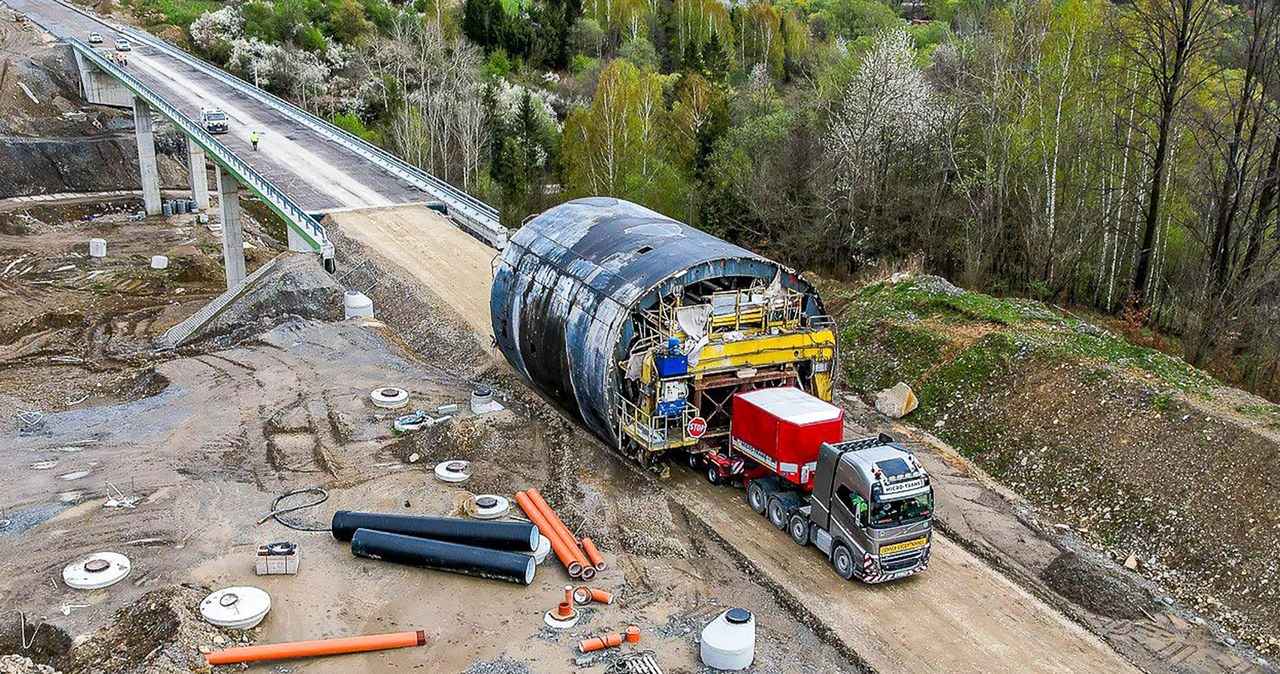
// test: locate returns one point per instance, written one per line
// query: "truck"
(867, 504)
(214, 120)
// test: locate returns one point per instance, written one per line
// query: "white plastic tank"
(729, 641)
(357, 303)
(159, 262)
(97, 247)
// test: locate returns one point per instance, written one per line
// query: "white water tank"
(357, 303)
(729, 641)
(97, 247)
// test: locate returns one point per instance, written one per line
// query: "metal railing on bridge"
(294, 217)
(477, 217)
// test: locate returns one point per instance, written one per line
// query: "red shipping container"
(783, 428)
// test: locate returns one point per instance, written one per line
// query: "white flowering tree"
(889, 111)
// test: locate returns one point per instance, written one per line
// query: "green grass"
(180, 13)
(908, 331)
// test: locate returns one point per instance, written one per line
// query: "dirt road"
(960, 616)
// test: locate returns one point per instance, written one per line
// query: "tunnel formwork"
(643, 326)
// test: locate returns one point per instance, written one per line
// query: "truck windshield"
(902, 511)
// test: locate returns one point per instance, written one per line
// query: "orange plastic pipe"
(554, 520)
(562, 550)
(306, 649)
(585, 595)
(633, 634)
(600, 642)
(597, 560)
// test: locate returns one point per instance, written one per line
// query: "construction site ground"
(274, 396)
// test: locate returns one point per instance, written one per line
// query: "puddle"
(73, 476)
(47, 464)
(22, 520)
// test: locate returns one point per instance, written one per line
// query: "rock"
(896, 402)
(1131, 563)
(218, 639)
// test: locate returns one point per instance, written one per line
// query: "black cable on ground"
(277, 511)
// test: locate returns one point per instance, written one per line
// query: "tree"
(1165, 41)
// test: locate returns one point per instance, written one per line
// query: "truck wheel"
(756, 498)
(713, 474)
(695, 462)
(798, 527)
(777, 514)
(842, 559)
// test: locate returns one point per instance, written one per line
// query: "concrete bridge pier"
(232, 230)
(199, 175)
(146, 156)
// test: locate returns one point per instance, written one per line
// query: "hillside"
(1136, 451)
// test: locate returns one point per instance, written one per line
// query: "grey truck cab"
(871, 509)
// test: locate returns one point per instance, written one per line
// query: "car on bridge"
(214, 120)
(123, 45)
(95, 37)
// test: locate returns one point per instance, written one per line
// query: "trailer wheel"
(713, 474)
(756, 498)
(842, 559)
(777, 514)
(695, 462)
(798, 527)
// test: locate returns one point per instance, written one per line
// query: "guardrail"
(479, 218)
(292, 214)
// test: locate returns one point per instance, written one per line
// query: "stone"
(1131, 563)
(896, 402)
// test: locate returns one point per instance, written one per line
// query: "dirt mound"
(16, 664)
(297, 287)
(161, 633)
(1137, 452)
(1082, 582)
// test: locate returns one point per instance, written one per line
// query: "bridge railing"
(294, 217)
(479, 218)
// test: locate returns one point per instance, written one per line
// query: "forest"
(1120, 159)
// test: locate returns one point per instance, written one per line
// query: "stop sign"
(697, 426)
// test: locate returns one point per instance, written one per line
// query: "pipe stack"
(581, 562)
(498, 550)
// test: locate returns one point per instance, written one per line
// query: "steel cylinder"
(569, 285)
(513, 536)
(513, 567)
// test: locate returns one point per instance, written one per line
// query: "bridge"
(304, 167)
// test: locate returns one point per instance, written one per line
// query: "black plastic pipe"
(514, 536)
(513, 567)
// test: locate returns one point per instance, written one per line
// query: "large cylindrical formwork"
(513, 567)
(514, 536)
(570, 283)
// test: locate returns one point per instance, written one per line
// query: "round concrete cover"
(99, 570)
(236, 607)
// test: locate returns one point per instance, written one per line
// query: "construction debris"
(583, 595)
(563, 616)
(416, 421)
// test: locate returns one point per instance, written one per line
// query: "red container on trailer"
(782, 429)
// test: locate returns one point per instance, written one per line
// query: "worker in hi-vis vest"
(253, 138)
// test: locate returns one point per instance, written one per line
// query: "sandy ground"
(450, 263)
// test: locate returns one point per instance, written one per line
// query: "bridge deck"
(316, 172)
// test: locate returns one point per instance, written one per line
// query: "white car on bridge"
(123, 45)
(95, 37)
